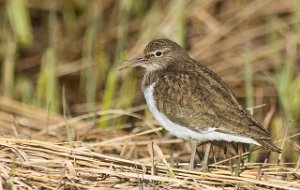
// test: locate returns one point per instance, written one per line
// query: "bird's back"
(195, 97)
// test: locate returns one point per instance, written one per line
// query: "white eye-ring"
(158, 53)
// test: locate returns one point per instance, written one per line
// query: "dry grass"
(141, 160)
(59, 87)
(34, 164)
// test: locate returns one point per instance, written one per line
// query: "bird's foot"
(204, 168)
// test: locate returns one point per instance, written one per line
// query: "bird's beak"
(135, 62)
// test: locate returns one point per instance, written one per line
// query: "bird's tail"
(267, 144)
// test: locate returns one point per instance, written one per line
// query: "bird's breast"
(149, 78)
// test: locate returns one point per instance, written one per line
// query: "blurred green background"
(62, 55)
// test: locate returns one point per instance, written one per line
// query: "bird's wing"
(200, 100)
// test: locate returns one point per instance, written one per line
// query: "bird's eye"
(158, 54)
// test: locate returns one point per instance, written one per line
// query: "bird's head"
(158, 54)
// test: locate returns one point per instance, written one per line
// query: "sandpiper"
(191, 101)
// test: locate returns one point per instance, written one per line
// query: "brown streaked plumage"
(185, 96)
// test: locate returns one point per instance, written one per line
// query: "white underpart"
(184, 132)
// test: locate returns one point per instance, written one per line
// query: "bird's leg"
(204, 165)
(192, 158)
(240, 160)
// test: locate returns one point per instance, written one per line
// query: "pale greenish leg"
(194, 145)
(204, 164)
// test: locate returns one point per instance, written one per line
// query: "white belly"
(184, 132)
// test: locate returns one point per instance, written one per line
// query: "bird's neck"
(149, 78)
(152, 76)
